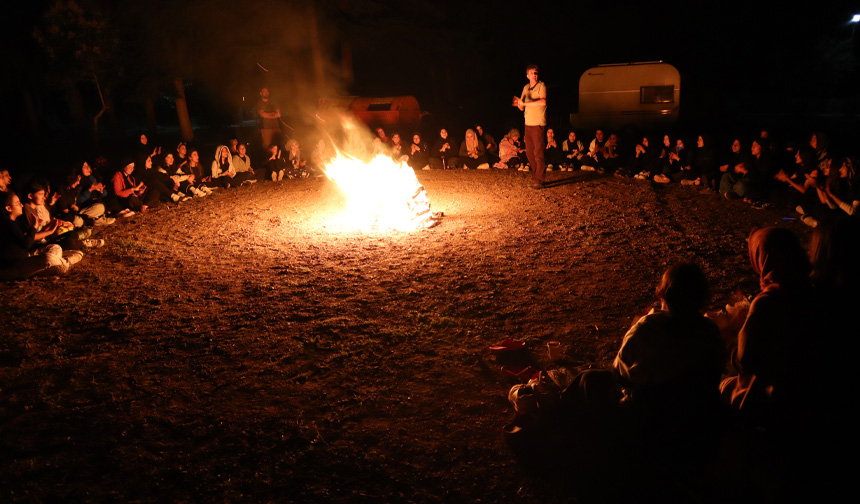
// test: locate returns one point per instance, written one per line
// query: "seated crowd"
(808, 178)
(45, 225)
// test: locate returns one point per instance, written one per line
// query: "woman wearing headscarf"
(472, 153)
(770, 353)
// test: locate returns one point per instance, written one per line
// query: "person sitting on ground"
(163, 177)
(777, 331)
(397, 149)
(553, 154)
(198, 181)
(831, 188)
(189, 175)
(21, 256)
(133, 196)
(613, 159)
(233, 143)
(91, 189)
(472, 153)
(419, 155)
(732, 159)
(443, 154)
(66, 208)
(663, 171)
(748, 179)
(801, 182)
(644, 161)
(681, 164)
(573, 150)
(676, 159)
(242, 164)
(704, 163)
(296, 164)
(596, 153)
(673, 356)
(490, 147)
(276, 165)
(510, 154)
(223, 173)
(844, 195)
(666, 374)
(181, 154)
(39, 218)
(380, 134)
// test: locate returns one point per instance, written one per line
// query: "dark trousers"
(535, 146)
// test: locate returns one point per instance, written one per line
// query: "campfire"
(381, 193)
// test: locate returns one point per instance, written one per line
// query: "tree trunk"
(182, 111)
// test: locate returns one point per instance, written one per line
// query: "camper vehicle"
(644, 95)
(397, 111)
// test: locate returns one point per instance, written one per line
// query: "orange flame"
(381, 193)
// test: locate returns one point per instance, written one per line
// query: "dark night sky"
(759, 50)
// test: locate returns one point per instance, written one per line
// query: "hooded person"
(778, 333)
(223, 172)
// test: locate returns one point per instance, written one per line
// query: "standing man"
(270, 117)
(533, 103)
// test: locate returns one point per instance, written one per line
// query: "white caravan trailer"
(646, 94)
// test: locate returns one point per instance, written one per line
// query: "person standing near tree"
(532, 102)
(270, 119)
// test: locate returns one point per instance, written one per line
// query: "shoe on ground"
(426, 168)
(549, 167)
(93, 243)
(809, 220)
(104, 221)
(73, 256)
(687, 182)
(57, 269)
(484, 166)
(536, 185)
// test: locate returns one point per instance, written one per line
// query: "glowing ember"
(382, 193)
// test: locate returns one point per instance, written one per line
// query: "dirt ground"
(245, 347)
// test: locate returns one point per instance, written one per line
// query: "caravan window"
(657, 94)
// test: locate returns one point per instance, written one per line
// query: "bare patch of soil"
(242, 347)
